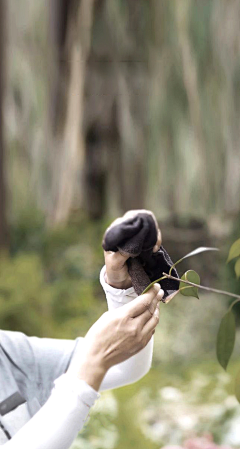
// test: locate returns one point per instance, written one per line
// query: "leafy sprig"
(189, 286)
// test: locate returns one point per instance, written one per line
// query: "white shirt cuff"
(116, 297)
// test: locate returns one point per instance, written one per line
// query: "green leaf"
(201, 249)
(237, 268)
(226, 339)
(190, 276)
(234, 251)
(237, 386)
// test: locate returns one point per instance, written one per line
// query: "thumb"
(138, 305)
(115, 260)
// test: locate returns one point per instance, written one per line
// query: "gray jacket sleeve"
(36, 362)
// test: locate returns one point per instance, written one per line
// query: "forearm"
(58, 422)
(136, 366)
(124, 373)
(86, 367)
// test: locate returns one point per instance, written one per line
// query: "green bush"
(64, 307)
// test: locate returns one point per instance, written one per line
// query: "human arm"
(117, 285)
(86, 372)
(111, 340)
(137, 366)
(58, 422)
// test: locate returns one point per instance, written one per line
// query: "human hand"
(116, 267)
(119, 334)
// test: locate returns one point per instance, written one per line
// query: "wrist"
(123, 285)
(92, 372)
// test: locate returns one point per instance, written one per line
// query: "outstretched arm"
(57, 423)
(109, 342)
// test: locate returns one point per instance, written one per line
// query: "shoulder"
(16, 347)
(41, 359)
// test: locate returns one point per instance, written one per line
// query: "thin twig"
(222, 292)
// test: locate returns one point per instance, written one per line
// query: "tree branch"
(221, 292)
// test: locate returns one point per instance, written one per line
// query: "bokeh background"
(106, 106)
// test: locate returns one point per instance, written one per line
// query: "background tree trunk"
(3, 221)
(72, 24)
(190, 79)
(130, 174)
(132, 150)
(140, 120)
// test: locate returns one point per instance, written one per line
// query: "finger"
(133, 212)
(140, 304)
(147, 315)
(159, 241)
(151, 324)
(148, 338)
(114, 260)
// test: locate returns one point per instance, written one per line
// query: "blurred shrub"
(24, 297)
(193, 403)
(228, 274)
(49, 286)
(27, 231)
(205, 442)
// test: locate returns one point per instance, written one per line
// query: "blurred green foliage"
(169, 404)
(49, 284)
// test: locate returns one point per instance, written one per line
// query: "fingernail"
(160, 294)
(157, 287)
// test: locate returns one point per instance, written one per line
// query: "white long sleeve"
(57, 423)
(136, 366)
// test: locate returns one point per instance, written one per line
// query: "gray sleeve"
(42, 360)
(51, 356)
